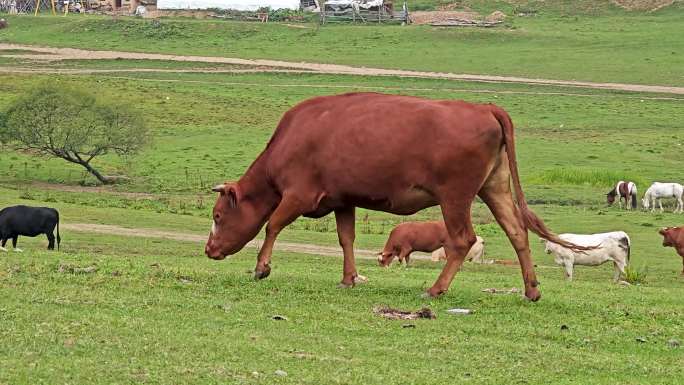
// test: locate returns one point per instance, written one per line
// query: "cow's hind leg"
(460, 239)
(2, 244)
(496, 193)
(346, 233)
(619, 269)
(51, 241)
(289, 208)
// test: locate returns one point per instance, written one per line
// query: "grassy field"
(565, 40)
(158, 311)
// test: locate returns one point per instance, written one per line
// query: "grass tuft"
(636, 276)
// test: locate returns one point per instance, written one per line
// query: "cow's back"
(612, 245)
(420, 236)
(363, 144)
(29, 221)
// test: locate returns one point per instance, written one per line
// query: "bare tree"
(68, 123)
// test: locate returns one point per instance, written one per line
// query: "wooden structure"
(378, 14)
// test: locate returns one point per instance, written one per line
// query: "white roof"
(238, 5)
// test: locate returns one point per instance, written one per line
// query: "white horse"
(663, 190)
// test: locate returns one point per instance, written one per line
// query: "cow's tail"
(58, 237)
(530, 220)
(625, 244)
(633, 191)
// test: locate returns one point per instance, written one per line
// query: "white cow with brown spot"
(476, 253)
(613, 246)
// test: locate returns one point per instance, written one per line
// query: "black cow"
(28, 221)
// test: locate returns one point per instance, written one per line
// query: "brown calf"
(408, 237)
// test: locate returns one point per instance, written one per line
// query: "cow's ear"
(233, 193)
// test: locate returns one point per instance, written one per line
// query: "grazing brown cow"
(396, 154)
(408, 237)
(674, 237)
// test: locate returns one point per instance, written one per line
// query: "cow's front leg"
(346, 234)
(568, 269)
(14, 245)
(3, 242)
(287, 211)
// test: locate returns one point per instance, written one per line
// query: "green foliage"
(62, 121)
(547, 46)
(143, 29)
(636, 276)
(597, 178)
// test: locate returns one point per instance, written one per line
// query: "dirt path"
(303, 248)
(189, 237)
(88, 71)
(49, 53)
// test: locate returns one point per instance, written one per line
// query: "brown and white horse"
(626, 190)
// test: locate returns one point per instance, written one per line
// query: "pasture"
(156, 310)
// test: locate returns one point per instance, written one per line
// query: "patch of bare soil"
(642, 5)
(329, 251)
(429, 17)
(388, 312)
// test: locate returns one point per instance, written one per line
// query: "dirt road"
(303, 248)
(198, 238)
(50, 53)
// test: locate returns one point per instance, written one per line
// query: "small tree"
(68, 123)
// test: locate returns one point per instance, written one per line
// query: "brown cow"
(396, 154)
(674, 237)
(408, 237)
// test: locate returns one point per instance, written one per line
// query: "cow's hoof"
(19, 250)
(261, 274)
(357, 280)
(533, 294)
(5, 250)
(432, 293)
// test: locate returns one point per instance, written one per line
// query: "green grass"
(157, 312)
(602, 45)
(209, 127)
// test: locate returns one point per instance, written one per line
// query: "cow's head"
(385, 258)
(237, 218)
(668, 234)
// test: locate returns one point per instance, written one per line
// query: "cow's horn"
(219, 188)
